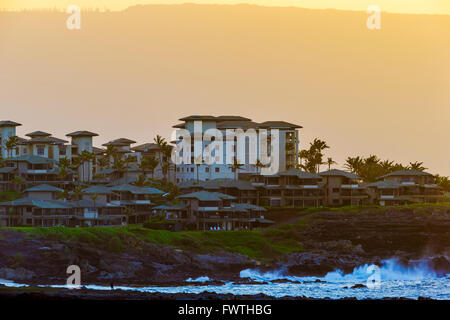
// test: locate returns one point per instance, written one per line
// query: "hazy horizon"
(392, 6)
(134, 73)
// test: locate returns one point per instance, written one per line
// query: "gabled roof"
(280, 124)
(43, 139)
(401, 173)
(299, 173)
(43, 188)
(237, 125)
(97, 190)
(247, 207)
(119, 142)
(32, 159)
(136, 190)
(207, 196)
(98, 151)
(146, 147)
(8, 123)
(197, 117)
(217, 184)
(82, 133)
(170, 207)
(338, 173)
(7, 169)
(38, 134)
(383, 185)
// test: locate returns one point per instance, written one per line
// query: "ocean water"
(391, 280)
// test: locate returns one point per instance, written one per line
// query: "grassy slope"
(257, 244)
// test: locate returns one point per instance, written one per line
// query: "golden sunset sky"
(400, 6)
(133, 73)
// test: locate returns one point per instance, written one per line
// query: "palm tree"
(63, 195)
(235, 167)
(11, 143)
(417, 166)
(303, 154)
(259, 165)
(316, 148)
(118, 165)
(77, 193)
(110, 152)
(152, 163)
(103, 162)
(63, 165)
(162, 145)
(126, 164)
(330, 162)
(128, 212)
(354, 164)
(17, 183)
(86, 157)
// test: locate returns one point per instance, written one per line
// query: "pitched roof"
(43, 188)
(217, 184)
(119, 142)
(207, 196)
(38, 134)
(7, 169)
(299, 173)
(44, 139)
(237, 125)
(8, 123)
(146, 147)
(136, 190)
(97, 190)
(247, 207)
(384, 185)
(98, 151)
(82, 133)
(406, 173)
(32, 159)
(339, 173)
(170, 207)
(280, 124)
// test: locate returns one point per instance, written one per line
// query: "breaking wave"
(390, 270)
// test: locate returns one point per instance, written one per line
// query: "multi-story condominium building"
(343, 188)
(291, 188)
(405, 186)
(44, 205)
(287, 144)
(216, 211)
(7, 130)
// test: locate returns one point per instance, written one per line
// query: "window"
(206, 169)
(40, 150)
(62, 151)
(192, 169)
(217, 169)
(335, 190)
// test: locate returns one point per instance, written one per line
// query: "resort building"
(45, 205)
(343, 188)
(216, 211)
(403, 187)
(291, 188)
(7, 130)
(287, 142)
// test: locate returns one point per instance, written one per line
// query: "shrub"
(115, 245)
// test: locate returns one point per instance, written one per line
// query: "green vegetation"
(254, 244)
(9, 196)
(262, 244)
